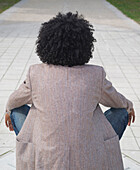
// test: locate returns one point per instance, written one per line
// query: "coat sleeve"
(20, 96)
(110, 97)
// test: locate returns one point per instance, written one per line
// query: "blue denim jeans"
(118, 118)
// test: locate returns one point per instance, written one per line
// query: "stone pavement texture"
(116, 49)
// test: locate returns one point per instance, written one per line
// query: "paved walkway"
(117, 49)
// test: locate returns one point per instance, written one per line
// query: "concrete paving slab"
(116, 49)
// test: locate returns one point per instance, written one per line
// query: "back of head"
(66, 40)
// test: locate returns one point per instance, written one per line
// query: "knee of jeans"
(121, 112)
(13, 112)
(124, 114)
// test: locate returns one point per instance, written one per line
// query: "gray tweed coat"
(66, 128)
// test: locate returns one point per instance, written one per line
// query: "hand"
(131, 114)
(8, 122)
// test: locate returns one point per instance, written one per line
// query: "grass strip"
(5, 4)
(130, 8)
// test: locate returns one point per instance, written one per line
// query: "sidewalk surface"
(116, 49)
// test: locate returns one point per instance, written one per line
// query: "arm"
(20, 96)
(110, 97)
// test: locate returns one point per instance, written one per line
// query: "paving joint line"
(135, 137)
(131, 158)
(122, 69)
(8, 46)
(13, 60)
(25, 66)
(130, 86)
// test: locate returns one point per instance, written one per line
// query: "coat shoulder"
(34, 66)
(96, 70)
(96, 67)
(93, 69)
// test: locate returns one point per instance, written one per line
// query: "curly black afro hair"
(65, 40)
